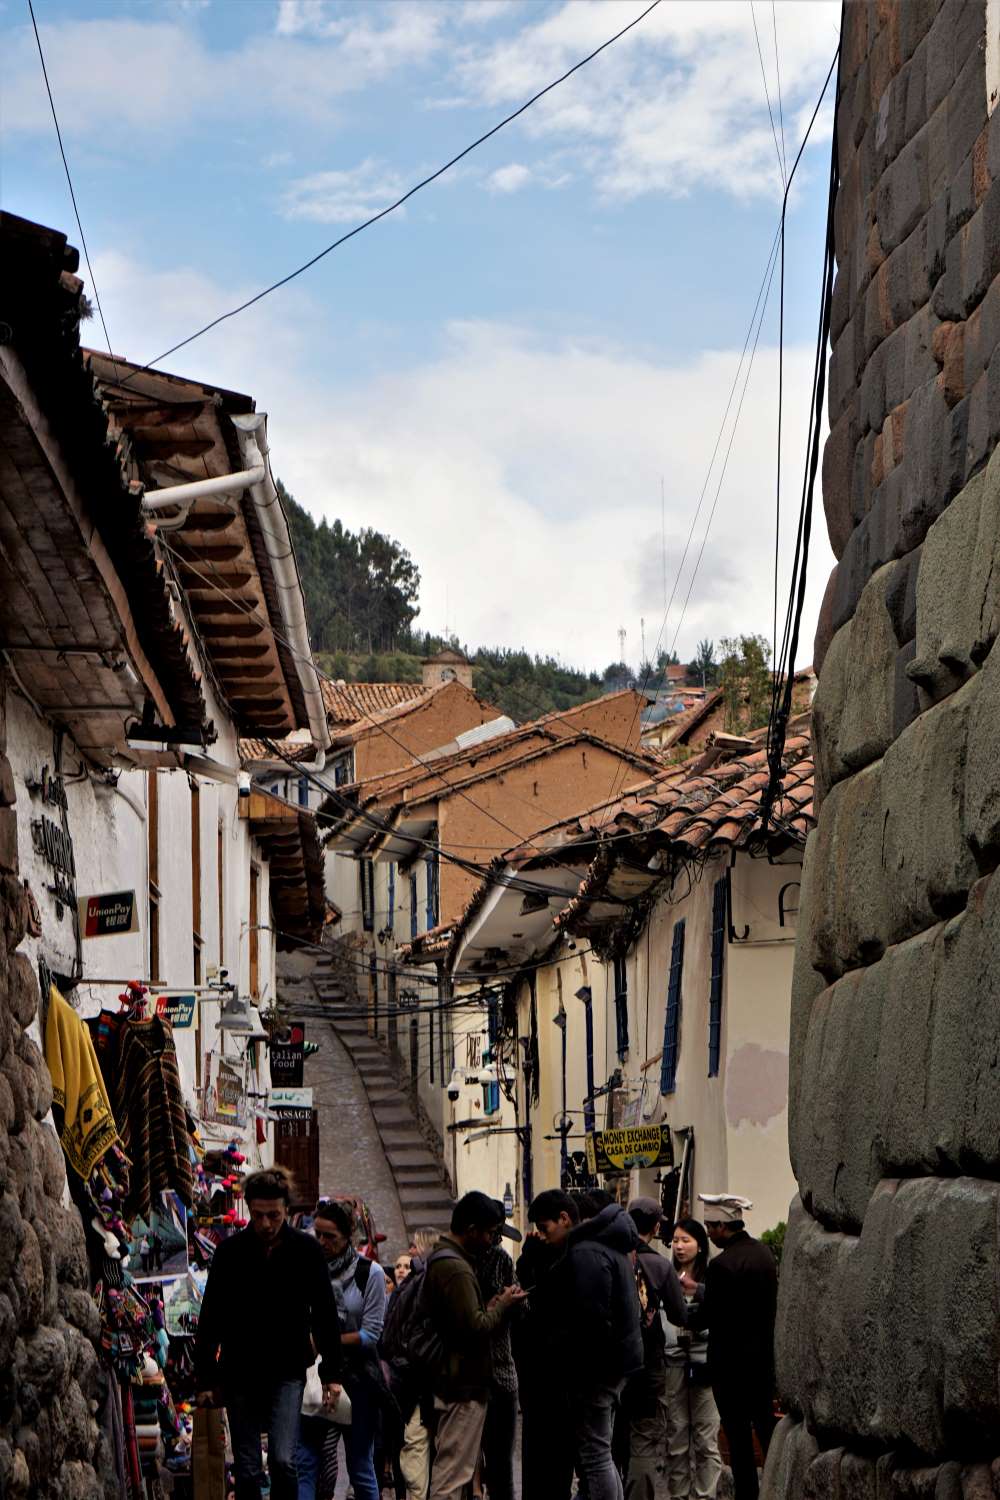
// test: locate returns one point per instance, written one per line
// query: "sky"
(521, 375)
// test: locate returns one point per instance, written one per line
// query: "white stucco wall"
(109, 832)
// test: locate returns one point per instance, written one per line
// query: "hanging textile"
(88, 1125)
(149, 1108)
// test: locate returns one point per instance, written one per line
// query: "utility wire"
(383, 213)
(777, 74)
(782, 172)
(780, 239)
(69, 180)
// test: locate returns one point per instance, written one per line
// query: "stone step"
(410, 1157)
(413, 1197)
(427, 1219)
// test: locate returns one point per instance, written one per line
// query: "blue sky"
(499, 375)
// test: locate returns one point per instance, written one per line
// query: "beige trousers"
(415, 1457)
(456, 1447)
(693, 1461)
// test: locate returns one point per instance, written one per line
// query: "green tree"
(745, 679)
(704, 667)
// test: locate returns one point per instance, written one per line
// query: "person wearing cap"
(496, 1273)
(455, 1309)
(644, 1400)
(741, 1294)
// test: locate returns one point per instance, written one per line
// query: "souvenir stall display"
(155, 1202)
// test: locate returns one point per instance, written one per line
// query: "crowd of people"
(623, 1361)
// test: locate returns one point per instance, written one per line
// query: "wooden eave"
(289, 842)
(174, 431)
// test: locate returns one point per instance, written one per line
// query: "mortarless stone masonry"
(50, 1380)
(889, 1314)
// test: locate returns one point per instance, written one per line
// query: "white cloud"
(523, 475)
(677, 104)
(343, 197)
(509, 178)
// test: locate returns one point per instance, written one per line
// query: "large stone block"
(924, 853)
(827, 711)
(981, 800)
(849, 890)
(792, 1450)
(958, 591)
(864, 731)
(807, 986)
(22, 989)
(873, 1345)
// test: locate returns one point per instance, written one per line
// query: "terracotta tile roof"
(348, 702)
(395, 711)
(253, 750)
(704, 808)
(433, 943)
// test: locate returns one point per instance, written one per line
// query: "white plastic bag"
(312, 1400)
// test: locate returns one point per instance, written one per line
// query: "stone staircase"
(424, 1194)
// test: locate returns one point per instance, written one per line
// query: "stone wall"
(889, 1314)
(50, 1380)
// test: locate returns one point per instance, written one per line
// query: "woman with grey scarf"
(359, 1290)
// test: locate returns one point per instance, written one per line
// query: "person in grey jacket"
(359, 1292)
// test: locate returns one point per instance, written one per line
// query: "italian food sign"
(632, 1146)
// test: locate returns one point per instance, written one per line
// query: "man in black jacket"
(268, 1301)
(595, 1314)
(547, 1445)
(741, 1293)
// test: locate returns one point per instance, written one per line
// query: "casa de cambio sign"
(629, 1147)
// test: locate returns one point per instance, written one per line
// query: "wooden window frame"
(620, 970)
(197, 942)
(672, 1013)
(720, 922)
(254, 932)
(153, 869)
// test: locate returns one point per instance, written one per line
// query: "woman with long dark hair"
(693, 1461)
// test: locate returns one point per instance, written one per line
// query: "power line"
(69, 180)
(383, 213)
(777, 74)
(763, 73)
(779, 238)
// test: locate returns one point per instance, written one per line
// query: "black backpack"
(409, 1338)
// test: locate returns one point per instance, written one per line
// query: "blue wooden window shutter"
(621, 1008)
(672, 1019)
(719, 908)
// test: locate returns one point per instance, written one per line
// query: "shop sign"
(632, 1146)
(289, 1104)
(287, 1054)
(224, 1099)
(177, 1009)
(108, 915)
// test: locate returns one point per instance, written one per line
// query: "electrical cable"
(784, 676)
(777, 74)
(782, 173)
(69, 180)
(392, 207)
(779, 237)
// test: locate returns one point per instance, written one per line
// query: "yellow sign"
(632, 1146)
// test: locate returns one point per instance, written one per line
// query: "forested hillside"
(362, 596)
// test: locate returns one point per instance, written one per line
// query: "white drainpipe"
(182, 496)
(251, 431)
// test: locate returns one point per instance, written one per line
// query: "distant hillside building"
(447, 666)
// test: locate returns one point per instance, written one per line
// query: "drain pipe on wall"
(251, 432)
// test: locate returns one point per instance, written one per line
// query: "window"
(589, 1116)
(719, 911)
(196, 878)
(254, 932)
(431, 866)
(672, 1019)
(430, 1046)
(491, 1091)
(391, 914)
(621, 1008)
(366, 873)
(343, 771)
(153, 851)
(220, 849)
(303, 791)
(414, 925)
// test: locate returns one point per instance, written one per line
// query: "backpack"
(362, 1271)
(409, 1338)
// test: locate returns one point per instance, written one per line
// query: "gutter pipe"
(251, 432)
(183, 496)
